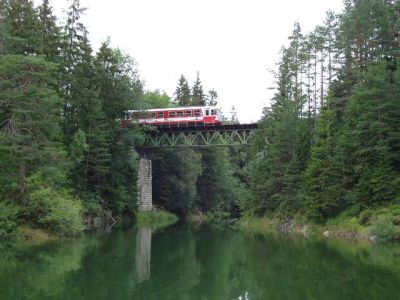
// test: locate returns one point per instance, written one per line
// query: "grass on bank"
(155, 219)
(380, 223)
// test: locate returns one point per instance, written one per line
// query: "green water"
(183, 262)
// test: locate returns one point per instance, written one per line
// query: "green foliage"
(175, 173)
(384, 228)
(29, 129)
(347, 156)
(155, 219)
(198, 96)
(56, 210)
(8, 219)
(182, 93)
(156, 99)
(216, 184)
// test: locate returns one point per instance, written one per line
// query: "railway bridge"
(185, 137)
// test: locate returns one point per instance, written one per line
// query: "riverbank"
(377, 224)
(155, 219)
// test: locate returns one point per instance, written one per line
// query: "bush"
(8, 224)
(57, 211)
(365, 216)
(384, 228)
(155, 219)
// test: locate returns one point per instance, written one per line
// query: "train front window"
(213, 112)
(197, 113)
(188, 113)
(207, 112)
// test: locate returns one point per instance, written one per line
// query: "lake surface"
(186, 262)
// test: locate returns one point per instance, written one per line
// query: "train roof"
(174, 108)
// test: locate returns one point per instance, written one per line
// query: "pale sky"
(232, 43)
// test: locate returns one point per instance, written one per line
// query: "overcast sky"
(232, 43)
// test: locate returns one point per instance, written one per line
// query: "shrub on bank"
(57, 211)
(8, 216)
(155, 219)
(385, 229)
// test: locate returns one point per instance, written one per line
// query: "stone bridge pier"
(144, 184)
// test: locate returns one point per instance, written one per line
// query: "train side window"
(197, 113)
(160, 114)
(152, 115)
(171, 114)
(207, 112)
(188, 113)
(179, 113)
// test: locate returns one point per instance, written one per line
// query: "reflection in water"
(143, 253)
(198, 263)
(245, 297)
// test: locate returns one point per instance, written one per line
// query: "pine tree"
(182, 93)
(29, 125)
(198, 97)
(212, 98)
(49, 40)
(91, 175)
(22, 25)
(119, 89)
(118, 83)
(372, 138)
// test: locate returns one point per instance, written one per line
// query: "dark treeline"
(330, 139)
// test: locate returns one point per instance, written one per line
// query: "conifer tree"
(182, 93)
(119, 89)
(49, 32)
(212, 98)
(29, 108)
(198, 97)
(22, 25)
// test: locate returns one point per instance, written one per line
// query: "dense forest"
(329, 141)
(63, 156)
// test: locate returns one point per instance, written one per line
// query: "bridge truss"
(200, 136)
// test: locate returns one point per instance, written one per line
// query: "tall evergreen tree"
(119, 89)
(29, 125)
(182, 93)
(49, 32)
(22, 25)
(198, 97)
(211, 98)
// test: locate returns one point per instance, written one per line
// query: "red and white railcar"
(175, 117)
